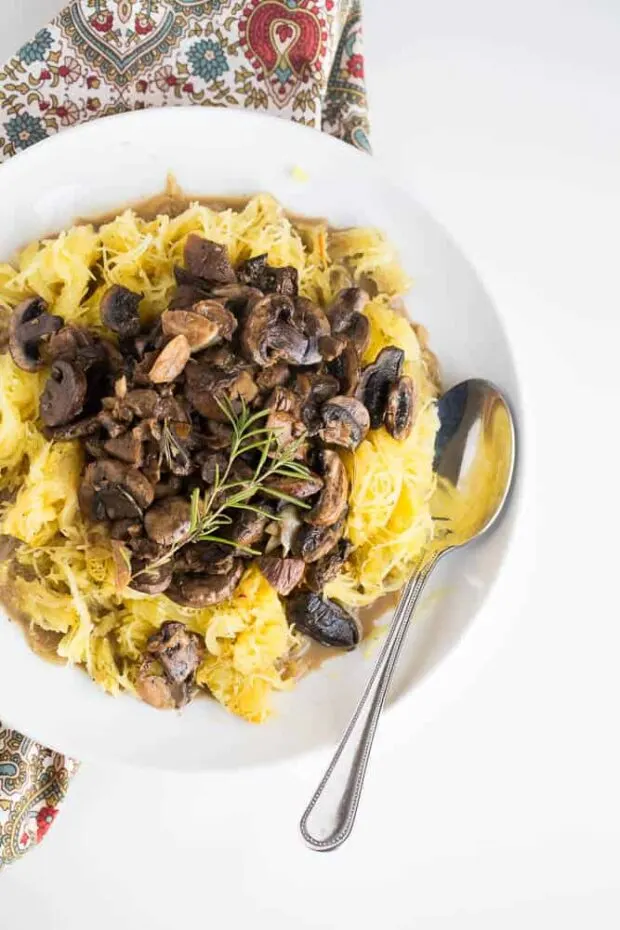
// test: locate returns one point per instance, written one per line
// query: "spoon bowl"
(475, 454)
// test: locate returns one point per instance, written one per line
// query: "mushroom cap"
(282, 574)
(400, 408)
(205, 590)
(168, 520)
(323, 620)
(376, 381)
(64, 394)
(345, 422)
(208, 260)
(119, 310)
(334, 497)
(30, 325)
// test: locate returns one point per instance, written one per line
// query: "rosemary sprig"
(214, 511)
(170, 449)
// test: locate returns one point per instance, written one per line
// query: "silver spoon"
(474, 460)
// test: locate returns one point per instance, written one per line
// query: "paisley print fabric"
(297, 59)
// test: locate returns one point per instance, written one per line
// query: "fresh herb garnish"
(216, 509)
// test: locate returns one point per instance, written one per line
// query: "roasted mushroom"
(113, 491)
(149, 580)
(400, 409)
(171, 361)
(376, 381)
(158, 691)
(64, 394)
(346, 367)
(269, 335)
(319, 573)
(208, 260)
(205, 590)
(127, 447)
(251, 271)
(345, 422)
(168, 520)
(119, 311)
(323, 620)
(282, 574)
(332, 502)
(299, 488)
(31, 325)
(199, 331)
(208, 386)
(311, 543)
(279, 280)
(179, 651)
(205, 557)
(347, 319)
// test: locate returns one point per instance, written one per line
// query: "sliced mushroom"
(319, 573)
(119, 311)
(207, 386)
(111, 490)
(30, 326)
(345, 422)
(216, 313)
(171, 361)
(179, 651)
(168, 520)
(311, 543)
(332, 502)
(275, 376)
(150, 580)
(347, 319)
(251, 271)
(376, 381)
(330, 347)
(205, 558)
(400, 410)
(127, 447)
(347, 368)
(269, 335)
(64, 394)
(323, 620)
(199, 331)
(249, 527)
(314, 324)
(282, 574)
(284, 400)
(279, 280)
(143, 402)
(159, 691)
(78, 430)
(200, 591)
(299, 488)
(208, 260)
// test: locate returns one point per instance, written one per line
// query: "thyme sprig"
(212, 512)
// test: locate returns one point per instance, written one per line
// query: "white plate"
(99, 166)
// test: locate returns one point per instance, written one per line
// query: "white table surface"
(500, 809)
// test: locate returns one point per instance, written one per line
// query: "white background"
(501, 809)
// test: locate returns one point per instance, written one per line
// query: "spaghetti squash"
(71, 576)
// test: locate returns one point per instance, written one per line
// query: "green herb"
(215, 510)
(170, 449)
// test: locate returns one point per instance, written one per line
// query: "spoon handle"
(329, 818)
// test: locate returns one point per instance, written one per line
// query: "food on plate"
(216, 445)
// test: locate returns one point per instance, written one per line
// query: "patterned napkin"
(296, 59)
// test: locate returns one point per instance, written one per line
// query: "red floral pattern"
(300, 59)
